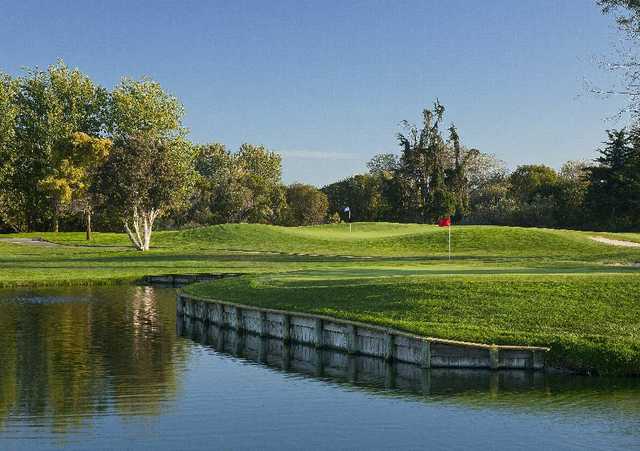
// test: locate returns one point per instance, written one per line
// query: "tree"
(626, 63)
(613, 196)
(528, 181)
(628, 13)
(75, 166)
(423, 164)
(457, 175)
(244, 186)
(383, 164)
(362, 193)
(9, 202)
(143, 107)
(50, 106)
(306, 205)
(144, 178)
(571, 189)
(260, 172)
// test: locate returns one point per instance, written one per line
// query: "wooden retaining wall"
(359, 338)
(353, 368)
(184, 279)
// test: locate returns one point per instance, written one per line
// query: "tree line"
(436, 176)
(74, 154)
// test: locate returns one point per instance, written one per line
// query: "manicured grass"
(248, 248)
(504, 285)
(591, 322)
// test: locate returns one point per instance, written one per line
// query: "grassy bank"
(591, 322)
(505, 285)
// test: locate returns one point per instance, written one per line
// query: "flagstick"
(449, 242)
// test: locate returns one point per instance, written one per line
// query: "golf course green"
(503, 285)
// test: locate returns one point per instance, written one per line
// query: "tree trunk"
(87, 222)
(142, 225)
(56, 215)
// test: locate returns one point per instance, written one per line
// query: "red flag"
(444, 222)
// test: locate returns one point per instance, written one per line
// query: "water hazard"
(111, 368)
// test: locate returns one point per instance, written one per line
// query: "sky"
(327, 83)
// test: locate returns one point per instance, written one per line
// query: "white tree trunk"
(142, 224)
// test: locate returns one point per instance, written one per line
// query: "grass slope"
(504, 285)
(591, 322)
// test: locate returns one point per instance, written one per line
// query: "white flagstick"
(449, 241)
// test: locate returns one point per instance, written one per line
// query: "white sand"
(611, 242)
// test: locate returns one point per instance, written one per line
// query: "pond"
(111, 368)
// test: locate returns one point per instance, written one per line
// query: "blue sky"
(326, 83)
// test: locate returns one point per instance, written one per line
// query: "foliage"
(361, 193)
(10, 216)
(613, 194)
(423, 163)
(143, 179)
(143, 107)
(244, 186)
(50, 106)
(306, 205)
(74, 167)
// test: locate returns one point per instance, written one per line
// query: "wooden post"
(319, 339)
(389, 375)
(494, 358)
(319, 362)
(239, 322)
(264, 349)
(352, 339)
(220, 340)
(426, 381)
(389, 345)
(426, 354)
(264, 325)
(286, 356)
(179, 305)
(353, 368)
(286, 328)
(220, 310)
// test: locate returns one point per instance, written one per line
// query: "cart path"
(29, 242)
(611, 242)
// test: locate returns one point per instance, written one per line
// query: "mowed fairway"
(504, 285)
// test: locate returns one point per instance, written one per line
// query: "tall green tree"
(458, 177)
(306, 205)
(362, 193)
(75, 167)
(245, 186)
(613, 196)
(10, 201)
(51, 106)
(423, 164)
(144, 107)
(260, 171)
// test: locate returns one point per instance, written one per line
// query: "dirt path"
(611, 242)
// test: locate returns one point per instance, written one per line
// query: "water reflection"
(102, 368)
(536, 392)
(65, 358)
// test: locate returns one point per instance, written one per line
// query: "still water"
(111, 368)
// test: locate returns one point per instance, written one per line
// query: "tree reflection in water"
(71, 354)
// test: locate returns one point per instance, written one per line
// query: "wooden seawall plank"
(360, 338)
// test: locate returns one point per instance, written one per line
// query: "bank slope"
(590, 322)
